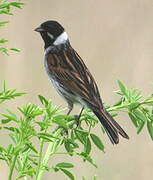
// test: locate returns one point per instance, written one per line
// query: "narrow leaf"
(45, 138)
(134, 105)
(87, 146)
(140, 127)
(5, 121)
(29, 144)
(64, 165)
(133, 119)
(3, 23)
(95, 177)
(17, 4)
(47, 135)
(68, 173)
(81, 136)
(15, 49)
(96, 140)
(140, 115)
(43, 100)
(3, 40)
(122, 87)
(60, 120)
(150, 129)
(68, 147)
(2, 149)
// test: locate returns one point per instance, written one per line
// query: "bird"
(71, 77)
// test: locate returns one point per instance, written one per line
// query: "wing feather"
(67, 67)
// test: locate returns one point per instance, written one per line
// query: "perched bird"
(72, 79)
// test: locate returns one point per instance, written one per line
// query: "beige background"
(115, 39)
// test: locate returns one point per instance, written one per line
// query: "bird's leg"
(78, 117)
(80, 112)
(70, 107)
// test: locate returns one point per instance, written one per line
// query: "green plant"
(5, 8)
(48, 125)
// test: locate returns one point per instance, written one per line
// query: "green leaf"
(10, 149)
(30, 110)
(11, 116)
(122, 87)
(140, 115)
(17, 4)
(4, 4)
(15, 49)
(30, 145)
(72, 135)
(5, 11)
(119, 102)
(2, 149)
(72, 142)
(5, 121)
(61, 120)
(30, 172)
(47, 135)
(64, 165)
(134, 105)
(9, 94)
(68, 173)
(3, 23)
(87, 157)
(43, 100)
(133, 119)
(4, 50)
(113, 114)
(68, 146)
(14, 137)
(95, 177)
(43, 125)
(3, 40)
(87, 146)
(96, 140)
(82, 131)
(45, 138)
(140, 127)
(13, 129)
(150, 128)
(81, 136)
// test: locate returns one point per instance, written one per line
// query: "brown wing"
(71, 73)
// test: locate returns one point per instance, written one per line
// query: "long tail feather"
(111, 126)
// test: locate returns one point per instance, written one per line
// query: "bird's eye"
(50, 35)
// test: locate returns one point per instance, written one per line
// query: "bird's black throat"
(47, 40)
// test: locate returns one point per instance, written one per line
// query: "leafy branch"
(138, 107)
(5, 8)
(6, 94)
(48, 125)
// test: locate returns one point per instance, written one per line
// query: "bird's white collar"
(61, 39)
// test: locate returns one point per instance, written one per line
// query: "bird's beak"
(39, 29)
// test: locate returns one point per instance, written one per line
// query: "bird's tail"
(111, 127)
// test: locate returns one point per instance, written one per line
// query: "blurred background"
(115, 39)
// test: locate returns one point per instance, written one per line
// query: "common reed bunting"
(72, 79)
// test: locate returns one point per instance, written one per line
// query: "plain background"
(115, 39)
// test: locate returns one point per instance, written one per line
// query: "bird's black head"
(50, 32)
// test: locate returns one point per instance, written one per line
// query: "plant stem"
(52, 147)
(12, 167)
(40, 157)
(115, 108)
